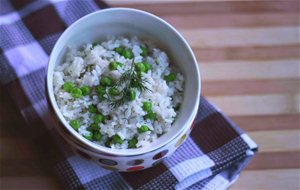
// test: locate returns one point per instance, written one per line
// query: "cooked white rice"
(86, 67)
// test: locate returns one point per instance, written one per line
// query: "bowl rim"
(106, 150)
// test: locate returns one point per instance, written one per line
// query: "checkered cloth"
(211, 158)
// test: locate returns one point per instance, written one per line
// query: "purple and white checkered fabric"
(211, 158)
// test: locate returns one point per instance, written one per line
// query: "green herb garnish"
(127, 82)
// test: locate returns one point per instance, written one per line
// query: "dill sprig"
(129, 80)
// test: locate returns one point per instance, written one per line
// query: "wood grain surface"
(248, 52)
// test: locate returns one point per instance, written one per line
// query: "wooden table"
(249, 57)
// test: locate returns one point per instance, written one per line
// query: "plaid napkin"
(211, 158)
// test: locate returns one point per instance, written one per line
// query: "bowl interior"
(130, 22)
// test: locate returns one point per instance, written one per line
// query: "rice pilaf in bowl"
(119, 93)
(124, 88)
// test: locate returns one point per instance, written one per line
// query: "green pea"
(119, 50)
(94, 45)
(147, 106)
(76, 93)
(143, 128)
(97, 136)
(150, 115)
(140, 67)
(108, 143)
(147, 67)
(139, 75)
(99, 118)
(108, 117)
(88, 136)
(106, 81)
(85, 90)
(176, 108)
(170, 77)
(144, 51)
(113, 91)
(92, 108)
(133, 83)
(68, 86)
(131, 95)
(114, 65)
(132, 143)
(94, 126)
(75, 124)
(101, 91)
(101, 97)
(127, 53)
(117, 139)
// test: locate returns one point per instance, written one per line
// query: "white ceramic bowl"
(130, 22)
